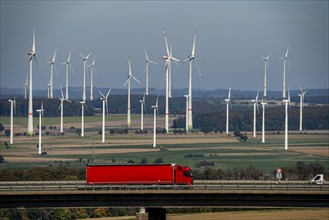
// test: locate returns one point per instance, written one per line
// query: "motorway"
(301, 186)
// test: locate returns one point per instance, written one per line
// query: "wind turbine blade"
(135, 79)
(33, 41)
(146, 67)
(71, 68)
(101, 94)
(82, 55)
(147, 58)
(197, 66)
(229, 93)
(257, 96)
(167, 48)
(93, 63)
(193, 48)
(69, 58)
(94, 68)
(126, 82)
(157, 102)
(59, 107)
(286, 55)
(68, 100)
(108, 92)
(300, 88)
(54, 57)
(129, 66)
(88, 55)
(150, 61)
(268, 56)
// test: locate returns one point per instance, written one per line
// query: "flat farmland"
(223, 150)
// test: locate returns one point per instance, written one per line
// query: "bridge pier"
(156, 213)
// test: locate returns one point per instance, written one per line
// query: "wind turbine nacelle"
(227, 100)
(165, 57)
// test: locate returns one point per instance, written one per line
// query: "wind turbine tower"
(105, 105)
(191, 59)
(286, 101)
(168, 59)
(67, 64)
(255, 103)
(52, 67)
(285, 60)
(83, 102)
(12, 106)
(148, 61)
(228, 103)
(187, 113)
(40, 130)
(26, 85)
(155, 112)
(84, 75)
(130, 76)
(61, 106)
(32, 55)
(265, 71)
(301, 95)
(142, 112)
(263, 103)
(92, 71)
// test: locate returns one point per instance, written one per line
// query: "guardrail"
(198, 185)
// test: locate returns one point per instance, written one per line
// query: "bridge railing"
(198, 185)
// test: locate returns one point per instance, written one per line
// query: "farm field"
(225, 151)
(282, 214)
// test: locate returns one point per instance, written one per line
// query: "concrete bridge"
(157, 198)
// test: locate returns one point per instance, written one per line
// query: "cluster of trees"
(301, 171)
(65, 214)
(314, 118)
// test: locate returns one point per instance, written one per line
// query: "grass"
(225, 151)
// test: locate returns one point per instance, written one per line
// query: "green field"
(223, 150)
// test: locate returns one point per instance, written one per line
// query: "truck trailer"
(164, 174)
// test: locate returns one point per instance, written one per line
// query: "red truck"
(139, 174)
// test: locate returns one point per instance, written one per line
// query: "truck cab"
(184, 175)
(318, 179)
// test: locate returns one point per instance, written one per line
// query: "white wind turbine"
(286, 101)
(92, 71)
(26, 85)
(32, 55)
(285, 60)
(263, 103)
(168, 59)
(12, 107)
(52, 67)
(155, 112)
(301, 95)
(265, 71)
(187, 97)
(61, 106)
(191, 59)
(148, 61)
(105, 105)
(130, 76)
(67, 64)
(255, 103)
(228, 104)
(40, 126)
(142, 112)
(84, 75)
(83, 102)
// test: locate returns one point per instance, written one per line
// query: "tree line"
(314, 118)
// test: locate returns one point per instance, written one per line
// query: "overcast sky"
(231, 37)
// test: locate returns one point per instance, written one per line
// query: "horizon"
(231, 38)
